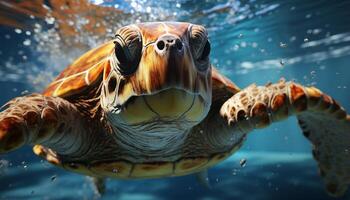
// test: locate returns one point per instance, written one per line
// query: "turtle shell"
(122, 169)
(222, 82)
(82, 73)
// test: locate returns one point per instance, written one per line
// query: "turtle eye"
(205, 51)
(128, 48)
(121, 55)
(200, 46)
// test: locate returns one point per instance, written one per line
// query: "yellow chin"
(167, 105)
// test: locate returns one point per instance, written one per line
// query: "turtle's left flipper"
(37, 119)
(323, 121)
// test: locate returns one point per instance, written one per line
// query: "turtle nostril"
(178, 44)
(160, 45)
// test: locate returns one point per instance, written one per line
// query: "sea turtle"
(149, 104)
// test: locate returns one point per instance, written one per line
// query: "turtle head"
(159, 72)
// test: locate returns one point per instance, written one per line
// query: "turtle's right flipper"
(323, 121)
(37, 119)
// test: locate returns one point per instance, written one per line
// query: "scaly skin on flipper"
(323, 121)
(50, 121)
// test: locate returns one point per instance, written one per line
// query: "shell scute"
(118, 169)
(85, 71)
(189, 165)
(151, 170)
(220, 81)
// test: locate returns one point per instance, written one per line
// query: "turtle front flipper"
(37, 119)
(323, 121)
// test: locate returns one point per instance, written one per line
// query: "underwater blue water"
(252, 42)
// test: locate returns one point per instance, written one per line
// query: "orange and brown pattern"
(83, 72)
(156, 72)
(323, 122)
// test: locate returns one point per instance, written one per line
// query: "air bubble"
(243, 162)
(50, 20)
(53, 178)
(282, 62)
(235, 172)
(283, 45)
(70, 23)
(24, 92)
(17, 30)
(27, 42)
(4, 164)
